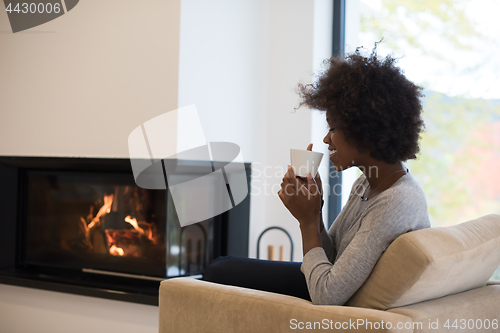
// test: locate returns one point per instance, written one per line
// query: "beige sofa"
(431, 280)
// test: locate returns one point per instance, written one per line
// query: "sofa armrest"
(492, 282)
(189, 305)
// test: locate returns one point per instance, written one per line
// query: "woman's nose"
(326, 139)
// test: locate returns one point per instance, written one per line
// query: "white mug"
(304, 162)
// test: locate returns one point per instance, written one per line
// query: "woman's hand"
(317, 179)
(302, 200)
(305, 204)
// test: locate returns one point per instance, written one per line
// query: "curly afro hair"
(371, 101)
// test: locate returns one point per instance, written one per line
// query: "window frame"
(338, 48)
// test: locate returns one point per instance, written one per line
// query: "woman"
(374, 118)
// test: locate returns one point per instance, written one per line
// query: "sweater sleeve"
(392, 216)
(328, 245)
(330, 284)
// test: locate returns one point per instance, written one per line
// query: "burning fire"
(133, 222)
(116, 251)
(118, 242)
(148, 234)
(106, 208)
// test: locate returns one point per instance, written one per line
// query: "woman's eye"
(332, 130)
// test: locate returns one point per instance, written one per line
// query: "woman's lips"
(332, 151)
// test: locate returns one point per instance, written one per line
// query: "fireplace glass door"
(94, 221)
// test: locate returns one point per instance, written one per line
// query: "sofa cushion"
(480, 305)
(432, 263)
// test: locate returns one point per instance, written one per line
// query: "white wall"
(78, 85)
(239, 62)
(242, 73)
(322, 49)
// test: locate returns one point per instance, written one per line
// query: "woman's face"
(342, 154)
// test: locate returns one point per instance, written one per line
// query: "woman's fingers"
(291, 184)
(290, 175)
(302, 181)
(318, 180)
(310, 147)
(313, 188)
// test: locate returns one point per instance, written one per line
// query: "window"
(450, 48)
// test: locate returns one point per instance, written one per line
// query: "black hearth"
(81, 225)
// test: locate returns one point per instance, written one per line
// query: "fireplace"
(82, 225)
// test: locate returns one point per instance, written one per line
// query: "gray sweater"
(359, 236)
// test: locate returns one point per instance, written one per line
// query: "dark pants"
(282, 277)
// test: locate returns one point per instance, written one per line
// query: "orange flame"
(106, 208)
(116, 251)
(133, 222)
